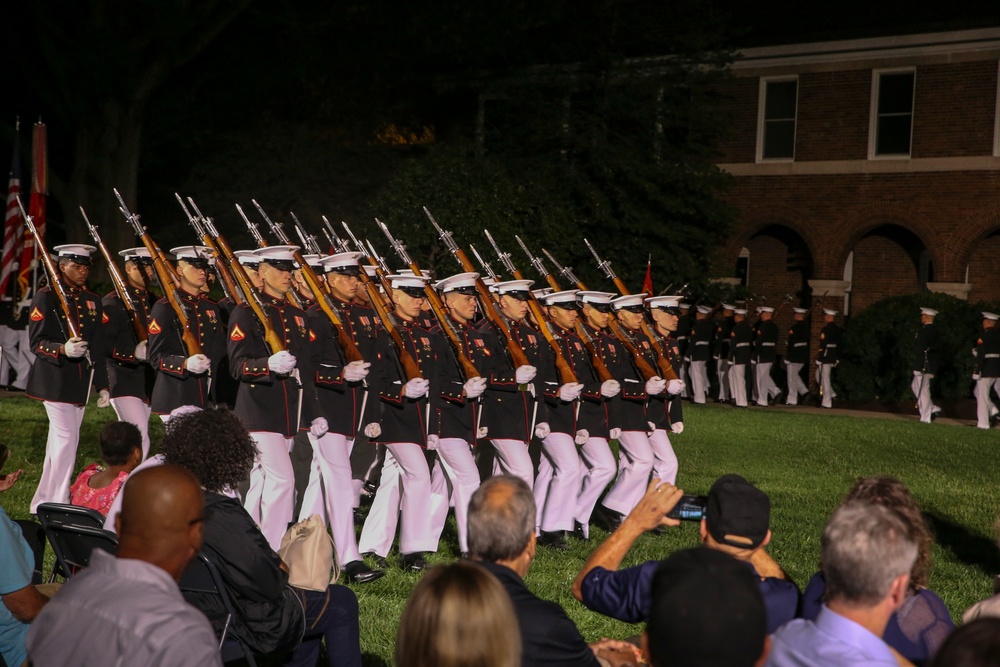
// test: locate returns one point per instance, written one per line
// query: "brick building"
(866, 168)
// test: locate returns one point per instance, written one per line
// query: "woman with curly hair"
(274, 616)
(922, 622)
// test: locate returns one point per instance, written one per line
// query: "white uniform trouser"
(824, 376)
(512, 458)
(738, 384)
(404, 489)
(455, 476)
(984, 406)
(134, 411)
(329, 492)
(921, 387)
(271, 497)
(685, 377)
(558, 482)
(699, 381)
(722, 374)
(598, 469)
(17, 356)
(766, 388)
(635, 463)
(664, 459)
(796, 387)
(60, 453)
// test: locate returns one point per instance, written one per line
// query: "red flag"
(39, 189)
(647, 282)
(13, 226)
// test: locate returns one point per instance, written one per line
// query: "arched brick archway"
(757, 223)
(888, 214)
(887, 260)
(979, 252)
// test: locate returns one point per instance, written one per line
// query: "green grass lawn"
(805, 463)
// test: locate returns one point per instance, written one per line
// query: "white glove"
(474, 387)
(281, 362)
(675, 387)
(482, 431)
(610, 388)
(319, 427)
(433, 441)
(356, 371)
(976, 376)
(75, 347)
(655, 385)
(819, 363)
(916, 374)
(103, 398)
(651, 425)
(525, 374)
(615, 433)
(677, 427)
(197, 364)
(416, 388)
(542, 430)
(373, 430)
(570, 391)
(140, 351)
(582, 436)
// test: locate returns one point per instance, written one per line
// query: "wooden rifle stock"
(55, 278)
(351, 350)
(410, 367)
(138, 327)
(666, 371)
(166, 274)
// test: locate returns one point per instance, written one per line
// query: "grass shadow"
(970, 548)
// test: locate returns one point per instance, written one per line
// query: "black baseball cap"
(737, 513)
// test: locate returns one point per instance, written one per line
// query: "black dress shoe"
(607, 519)
(413, 562)
(358, 572)
(579, 533)
(379, 561)
(553, 539)
(464, 555)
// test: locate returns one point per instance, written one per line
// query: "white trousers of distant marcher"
(271, 496)
(60, 453)
(558, 483)
(635, 463)
(598, 469)
(766, 389)
(685, 377)
(512, 458)
(699, 381)
(664, 459)
(796, 387)
(985, 408)
(134, 411)
(722, 374)
(454, 477)
(330, 494)
(404, 499)
(824, 376)
(921, 387)
(738, 384)
(16, 356)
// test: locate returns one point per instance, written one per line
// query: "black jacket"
(797, 351)
(127, 375)
(988, 353)
(925, 349)
(829, 342)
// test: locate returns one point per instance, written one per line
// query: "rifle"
(228, 282)
(338, 244)
(517, 356)
(464, 363)
(254, 230)
(566, 374)
(167, 276)
(482, 262)
(279, 233)
(308, 240)
(138, 327)
(351, 350)
(666, 371)
(373, 260)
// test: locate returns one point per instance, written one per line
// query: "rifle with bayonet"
(566, 374)
(487, 269)
(337, 243)
(662, 362)
(121, 287)
(309, 242)
(254, 230)
(374, 294)
(351, 350)
(517, 356)
(279, 233)
(167, 275)
(437, 307)
(201, 229)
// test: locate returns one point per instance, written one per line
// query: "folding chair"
(73, 533)
(202, 578)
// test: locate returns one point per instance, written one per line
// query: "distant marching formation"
(339, 344)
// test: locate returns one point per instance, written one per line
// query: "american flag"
(13, 227)
(36, 208)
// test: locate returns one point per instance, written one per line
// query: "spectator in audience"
(922, 622)
(20, 601)
(975, 644)
(127, 610)
(97, 486)
(217, 448)
(737, 516)
(502, 540)
(706, 611)
(868, 552)
(458, 616)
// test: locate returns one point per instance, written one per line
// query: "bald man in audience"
(128, 610)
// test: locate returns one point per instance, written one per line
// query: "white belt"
(830, 347)
(800, 344)
(991, 356)
(742, 344)
(768, 344)
(702, 342)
